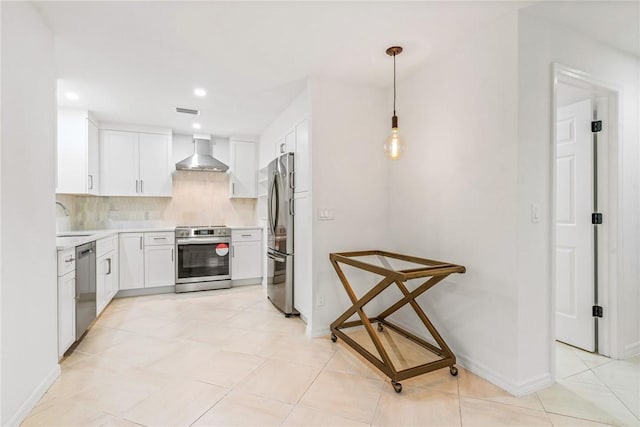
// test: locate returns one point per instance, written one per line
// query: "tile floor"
(229, 358)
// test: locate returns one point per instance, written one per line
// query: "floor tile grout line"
(615, 395)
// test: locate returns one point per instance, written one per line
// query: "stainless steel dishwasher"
(85, 287)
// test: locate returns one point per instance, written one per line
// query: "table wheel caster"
(396, 386)
(453, 370)
(334, 338)
(380, 327)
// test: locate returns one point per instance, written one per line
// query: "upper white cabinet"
(77, 152)
(297, 141)
(243, 178)
(135, 163)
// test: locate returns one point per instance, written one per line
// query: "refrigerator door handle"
(272, 226)
(275, 258)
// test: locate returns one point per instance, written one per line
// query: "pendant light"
(394, 147)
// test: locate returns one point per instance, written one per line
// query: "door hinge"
(596, 126)
(596, 311)
(596, 218)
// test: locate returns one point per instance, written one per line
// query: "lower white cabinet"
(246, 254)
(159, 267)
(106, 272)
(131, 261)
(147, 260)
(66, 311)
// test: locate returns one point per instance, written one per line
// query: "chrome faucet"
(64, 208)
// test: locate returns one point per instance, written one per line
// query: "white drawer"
(106, 245)
(159, 238)
(250, 235)
(66, 261)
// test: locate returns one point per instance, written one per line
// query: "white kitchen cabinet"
(66, 311)
(159, 259)
(246, 255)
(135, 164)
(106, 271)
(159, 266)
(77, 152)
(131, 261)
(243, 170)
(155, 169)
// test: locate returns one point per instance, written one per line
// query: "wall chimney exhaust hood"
(201, 160)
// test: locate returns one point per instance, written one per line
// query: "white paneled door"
(574, 231)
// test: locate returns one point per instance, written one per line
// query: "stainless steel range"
(203, 261)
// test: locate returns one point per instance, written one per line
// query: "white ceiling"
(135, 61)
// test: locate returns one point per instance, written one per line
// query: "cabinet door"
(93, 163)
(243, 170)
(246, 260)
(159, 267)
(119, 160)
(131, 257)
(302, 167)
(290, 142)
(100, 284)
(66, 311)
(113, 286)
(72, 151)
(155, 172)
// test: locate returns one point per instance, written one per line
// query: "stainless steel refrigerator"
(280, 251)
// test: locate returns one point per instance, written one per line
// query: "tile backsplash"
(199, 198)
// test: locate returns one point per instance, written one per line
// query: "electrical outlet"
(320, 300)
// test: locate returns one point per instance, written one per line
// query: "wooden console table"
(406, 268)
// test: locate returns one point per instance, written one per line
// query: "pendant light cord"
(394, 84)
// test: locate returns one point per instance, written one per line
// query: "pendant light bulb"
(394, 146)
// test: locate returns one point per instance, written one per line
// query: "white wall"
(349, 126)
(541, 44)
(453, 197)
(28, 280)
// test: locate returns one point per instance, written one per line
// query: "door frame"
(610, 236)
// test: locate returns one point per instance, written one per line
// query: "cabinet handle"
(233, 188)
(245, 235)
(109, 264)
(90, 182)
(171, 254)
(159, 238)
(137, 186)
(141, 186)
(140, 242)
(233, 252)
(291, 180)
(70, 259)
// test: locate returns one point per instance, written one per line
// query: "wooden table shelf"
(395, 269)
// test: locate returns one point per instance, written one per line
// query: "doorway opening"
(584, 211)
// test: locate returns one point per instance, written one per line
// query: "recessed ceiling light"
(199, 92)
(72, 96)
(196, 125)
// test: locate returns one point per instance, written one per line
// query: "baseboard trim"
(125, 293)
(632, 350)
(316, 333)
(517, 389)
(35, 397)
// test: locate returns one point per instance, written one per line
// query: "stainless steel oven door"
(202, 259)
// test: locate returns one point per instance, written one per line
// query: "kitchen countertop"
(75, 238)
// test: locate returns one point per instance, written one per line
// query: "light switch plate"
(325, 214)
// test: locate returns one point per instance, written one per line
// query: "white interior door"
(574, 231)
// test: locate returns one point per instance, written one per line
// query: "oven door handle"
(202, 241)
